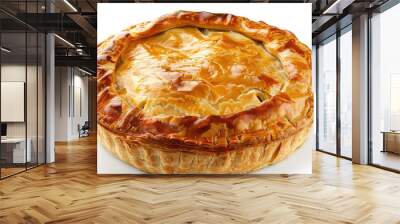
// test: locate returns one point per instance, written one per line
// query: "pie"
(199, 92)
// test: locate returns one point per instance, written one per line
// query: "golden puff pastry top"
(190, 71)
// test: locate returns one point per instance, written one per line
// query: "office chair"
(84, 130)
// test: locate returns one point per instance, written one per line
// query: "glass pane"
(31, 97)
(346, 93)
(41, 98)
(13, 76)
(327, 96)
(23, 90)
(386, 89)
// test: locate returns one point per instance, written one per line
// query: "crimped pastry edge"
(152, 158)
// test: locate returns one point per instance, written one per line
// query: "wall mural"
(203, 92)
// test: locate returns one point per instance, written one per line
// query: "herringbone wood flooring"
(70, 191)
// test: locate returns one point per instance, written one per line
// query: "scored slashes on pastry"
(198, 92)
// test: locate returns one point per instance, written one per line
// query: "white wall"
(16, 72)
(62, 81)
(71, 94)
(81, 103)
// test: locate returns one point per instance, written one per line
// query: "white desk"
(18, 149)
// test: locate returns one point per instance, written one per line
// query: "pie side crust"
(153, 158)
(234, 143)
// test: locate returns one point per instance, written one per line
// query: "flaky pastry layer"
(192, 71)
(155, 158)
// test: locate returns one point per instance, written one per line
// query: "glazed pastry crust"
(154, 158)
(225, 143)
(189, 71)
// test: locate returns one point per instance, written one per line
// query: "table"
(16, 153)
(391, 141)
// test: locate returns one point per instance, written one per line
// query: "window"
(327, 96)
(346, 92)
(385, 89)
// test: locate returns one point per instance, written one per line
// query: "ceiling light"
(80, 51)
(84, 71)
(5, 50)
(337, 7)
(64, 40)
(70, 5)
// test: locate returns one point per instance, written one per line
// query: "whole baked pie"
(198, 92)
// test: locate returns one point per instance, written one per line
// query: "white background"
(114, 17)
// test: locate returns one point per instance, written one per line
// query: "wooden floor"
(70, 191)
(11, 170)
(387, 159)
